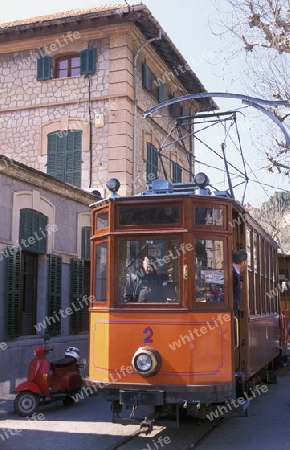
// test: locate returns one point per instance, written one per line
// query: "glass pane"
(209, 274)
(249, 246)
(149, 216)
(101, 272)
(75, 62)
(283, 281)
(255, 253)
(29, 282)
(208, 216)
(149, 271)
(61, 73)
(75, 71)
(62, 64)
(102, 221)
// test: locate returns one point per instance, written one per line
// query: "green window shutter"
(54, 294)
(173, 108)
(56, 143)
(32, 233)
(44, 68)
(12, 293)
(184, 113)
(64, 156)
(88, 61)
(76, 292)
(146, 77)
(86, 243)
(151, 163)
(176, 173)
(73, 155)
(161, 92)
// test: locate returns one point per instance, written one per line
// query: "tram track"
(188, 438)
(125, 440)
(194, 445)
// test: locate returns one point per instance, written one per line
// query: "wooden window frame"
(68, 58)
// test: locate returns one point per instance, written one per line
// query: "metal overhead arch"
(251, 101)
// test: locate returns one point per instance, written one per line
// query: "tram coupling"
(147, 425)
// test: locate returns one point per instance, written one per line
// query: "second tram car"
(283, 291)
(179, 344)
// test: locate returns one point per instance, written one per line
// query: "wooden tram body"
(189, 349)
(283, 292)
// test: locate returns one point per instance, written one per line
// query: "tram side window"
(209, 216)
(102, 220)
(209, 271)
(101, 272)
(149, 271)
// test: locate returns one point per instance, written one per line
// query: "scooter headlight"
(146, 361)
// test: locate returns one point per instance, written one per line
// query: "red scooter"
(49, 381)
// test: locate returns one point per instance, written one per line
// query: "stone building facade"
(44, 263)
(94, 71)
(74, 87)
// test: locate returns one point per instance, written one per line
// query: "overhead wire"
(211, 123)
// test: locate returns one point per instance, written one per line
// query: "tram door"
(239, 317)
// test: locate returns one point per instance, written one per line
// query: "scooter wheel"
(68, 401)
(26, 403)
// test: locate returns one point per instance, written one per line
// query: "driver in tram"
(149, 285)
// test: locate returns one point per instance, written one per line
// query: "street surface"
(87, 425)
(83, 426)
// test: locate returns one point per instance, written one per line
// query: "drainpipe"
(135, 69)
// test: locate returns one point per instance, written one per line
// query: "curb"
(6, 408)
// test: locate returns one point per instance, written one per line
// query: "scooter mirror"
(46, 337)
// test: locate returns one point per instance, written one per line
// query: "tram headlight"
(201, 179)
(146, 361)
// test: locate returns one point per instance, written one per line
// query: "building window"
(64, 156)
(180, 111)
(153, 84)
(151, 163)
(85, 249)
(79, 288)
(54, 294)
(32, 231)
(83, 63)
(13, 294)
(22, 274)
(68, 66)
(28, 294)
(176, 173)
(20, 293)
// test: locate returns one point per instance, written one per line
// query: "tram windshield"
(149, 270)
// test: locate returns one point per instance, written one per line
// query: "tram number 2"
(148, 338)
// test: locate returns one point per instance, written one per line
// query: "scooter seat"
(65, 362)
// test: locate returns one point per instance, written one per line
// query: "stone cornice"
(41, 180)
(22, 43)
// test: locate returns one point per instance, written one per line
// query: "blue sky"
(187, 24)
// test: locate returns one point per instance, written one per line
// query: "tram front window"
(149, 271)
(209, 271)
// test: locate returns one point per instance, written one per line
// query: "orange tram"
(179, 346)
